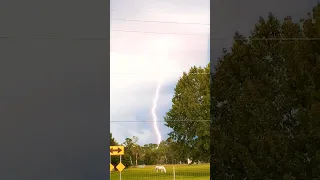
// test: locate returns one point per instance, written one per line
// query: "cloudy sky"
(139, 59)
(228, 16)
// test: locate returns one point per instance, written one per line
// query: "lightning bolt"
(161, 45)
(153, 111)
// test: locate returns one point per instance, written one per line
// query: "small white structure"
(161, 168)
(189, 161)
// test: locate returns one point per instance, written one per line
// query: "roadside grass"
(188, 172)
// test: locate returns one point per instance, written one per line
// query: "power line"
(285, 39)
(268, 39)
(162, 22)
(129, 31)
(132, 73)
(56, 38)
(160, 33)
(166, 121)
(166, 11)
(138, 11)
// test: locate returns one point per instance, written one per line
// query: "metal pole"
(120, 171)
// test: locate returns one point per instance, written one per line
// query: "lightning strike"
(153, 111)
(161, 47)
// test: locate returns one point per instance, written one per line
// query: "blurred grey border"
(54, 93)
(229, 16)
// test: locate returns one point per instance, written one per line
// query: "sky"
(229, 16)
(139, 60)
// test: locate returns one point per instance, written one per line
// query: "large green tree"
(190, 114)
(132, 149)
(177, 152)
(151, 155)
(265, 103)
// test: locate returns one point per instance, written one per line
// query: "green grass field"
(188, 172)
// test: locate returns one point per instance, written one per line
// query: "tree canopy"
(265, 103)
(167, 152)
(189, 116)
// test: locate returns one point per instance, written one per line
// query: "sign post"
(117, 151)
(120, 171)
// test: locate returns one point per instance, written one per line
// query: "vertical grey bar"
(54, 95)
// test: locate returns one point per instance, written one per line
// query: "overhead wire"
(162, 22)
(156, 21)
(160, 33)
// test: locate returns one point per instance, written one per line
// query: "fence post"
(174, 173)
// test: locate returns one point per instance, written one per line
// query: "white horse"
(161, 168)
(157, 168)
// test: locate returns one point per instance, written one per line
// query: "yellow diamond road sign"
(120, 167)
(111, 167)
(116, 150)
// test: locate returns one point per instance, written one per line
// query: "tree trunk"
(166, 159)
(136, 159)
(131, 161)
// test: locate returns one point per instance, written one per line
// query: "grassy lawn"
(188, 172)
